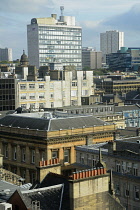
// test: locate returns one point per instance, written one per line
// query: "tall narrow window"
(14, 152)
(136, 193)
(23, 152)
(54, 154)
(6, 150)
(32, 156)
(66, 156)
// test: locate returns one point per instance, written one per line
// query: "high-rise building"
(111, 42)
(91, 58)
(6, 54)
(52, 40)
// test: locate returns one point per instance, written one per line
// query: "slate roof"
(48, 197)
(7, 189)
(129, 144)
(22, 121)
(126, 108)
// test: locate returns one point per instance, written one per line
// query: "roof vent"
(138, 141)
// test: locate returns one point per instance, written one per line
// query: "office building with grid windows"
(52, 40)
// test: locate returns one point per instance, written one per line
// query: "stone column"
(28, 155)
(27, 178)
(61, 155)
(72, 155)
(18, 153)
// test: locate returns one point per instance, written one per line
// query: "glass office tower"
(51, 40)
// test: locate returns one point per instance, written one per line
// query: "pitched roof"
(48, 197)
(126, 108)
(51, 124)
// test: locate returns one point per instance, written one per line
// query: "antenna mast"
(62, 9)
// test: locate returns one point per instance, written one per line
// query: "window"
(41, 86)
(74, 93)
(41, 95)
(123, 167)
(118, 167)
(24, 106)
(129, 167)
(32, 106)
(6, 150)
(136, 193)
(52, 104)
(54, 154)
(84, 92)
(31, 86)
(14, 152)
(126, 192)
(32, 95)
(117, 189)
(42, 155)
(81, 158)
(84, 84)
(22, 86)
(41, 105)
(51, 85)
(23, 96)
(93, 162)
(32, 156)
(51, 95)
(66, 156)
(23, 153)
(135, 169)
(74, 84)
(88, 160)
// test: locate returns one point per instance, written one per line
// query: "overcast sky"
(95, 16)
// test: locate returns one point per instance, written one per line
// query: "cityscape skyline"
(94, 18)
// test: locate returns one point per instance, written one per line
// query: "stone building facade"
(123, 158)
(26, 140)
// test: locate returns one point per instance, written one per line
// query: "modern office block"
(91, 58)
(51, 40)
(120, 61)
(6, 54)
(111, 42)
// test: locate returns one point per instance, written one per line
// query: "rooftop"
(45, 122)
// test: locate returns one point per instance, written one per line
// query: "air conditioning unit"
(5, 206)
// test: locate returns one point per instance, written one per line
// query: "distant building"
(51, 40)
(135, 57)
(61, 87)
(123, 157)
(111, 42)
(91, 58)
(131, 114)
(119, 61)
(6, 54)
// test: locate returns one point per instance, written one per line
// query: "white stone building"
(52, 40)
(55, 93)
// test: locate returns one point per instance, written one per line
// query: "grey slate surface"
(48, 197)
(50, 124)
(126, 108)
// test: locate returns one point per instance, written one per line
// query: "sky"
(94, 16)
